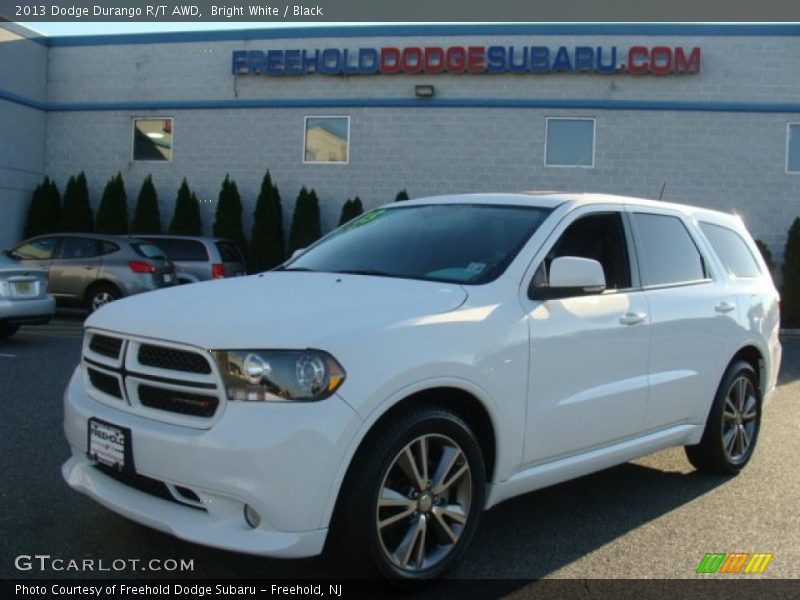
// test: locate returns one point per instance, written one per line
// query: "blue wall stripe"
(17, 99)
(640, 29)
(565, 103)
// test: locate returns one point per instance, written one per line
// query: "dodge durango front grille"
(172, 359)
(169, 383)
(178, 402)
(105, 383)
(105, 345)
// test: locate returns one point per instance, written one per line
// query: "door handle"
(724, 307)
(632, 318)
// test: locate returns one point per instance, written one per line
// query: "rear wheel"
(411, 503)
(732, 428)
(8, 329)
(101, 294)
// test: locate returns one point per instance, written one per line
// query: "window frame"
(644, 274)
(789, 126)
(133, 140)
(325, 162)
(594, 141)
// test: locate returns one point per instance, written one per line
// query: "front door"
(588, 381)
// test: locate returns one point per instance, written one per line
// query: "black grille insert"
(105, 345)
(105, 383)
(142, 483)
(177, 402)
(172, 359)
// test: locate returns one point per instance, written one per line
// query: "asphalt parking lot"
(652, 518)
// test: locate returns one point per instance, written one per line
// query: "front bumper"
(27, 312)
(281, 459)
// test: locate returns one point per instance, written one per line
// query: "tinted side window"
(732, 250)
(668, 252)
(41, 249)
(147, 250)
(74, 247)
(600, 237)
(229, 252)
(108, 247)
(182, 250)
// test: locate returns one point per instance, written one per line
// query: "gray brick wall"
(724, 160)
(23, 71)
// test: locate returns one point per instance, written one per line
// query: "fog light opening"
(251, 516)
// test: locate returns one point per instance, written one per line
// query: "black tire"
(731, 431)
(101, 294)
(363, 548)
(8, 329)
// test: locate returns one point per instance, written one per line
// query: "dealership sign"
(636, 60)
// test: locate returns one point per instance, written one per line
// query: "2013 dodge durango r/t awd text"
(421, 363)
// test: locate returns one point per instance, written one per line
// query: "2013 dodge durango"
(420, 364)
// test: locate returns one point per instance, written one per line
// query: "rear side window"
(183, 250)
(229, 252)
(668, 252)
(36, 250)
(147, 250)
(732, 250)
(108, 247)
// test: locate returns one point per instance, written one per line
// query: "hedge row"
(266, 249)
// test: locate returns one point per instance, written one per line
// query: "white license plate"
(24, 288)
(106, 444)
(167, 278)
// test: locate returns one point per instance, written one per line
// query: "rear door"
(588, 354)
(232, 258)
(74, 267)
(694, 317)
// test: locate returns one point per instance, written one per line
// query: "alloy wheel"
(739, 419)
(424, 503)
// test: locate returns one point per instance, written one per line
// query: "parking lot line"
(8, 356)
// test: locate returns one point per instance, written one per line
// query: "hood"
(276, 309)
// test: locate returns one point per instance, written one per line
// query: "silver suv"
(90, 270)
(200, 258)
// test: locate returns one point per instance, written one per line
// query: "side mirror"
(571, 276)
(297, 253)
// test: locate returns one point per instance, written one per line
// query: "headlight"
(279, 375)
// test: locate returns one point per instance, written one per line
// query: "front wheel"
(414, 494)
(732, 428)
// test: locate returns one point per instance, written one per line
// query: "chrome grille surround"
(131, 374)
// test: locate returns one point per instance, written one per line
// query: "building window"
(569, 142)
(327, 140)
(152, 139)
(793, 148)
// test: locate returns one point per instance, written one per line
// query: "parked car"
(200, 258)
(23, 297)
(420, 364)
(91, 270)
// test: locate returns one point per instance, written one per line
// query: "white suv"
(420, 364)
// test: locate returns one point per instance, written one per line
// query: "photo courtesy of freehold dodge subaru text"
(421, 363)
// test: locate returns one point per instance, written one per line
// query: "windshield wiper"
(375, 272)
(293, 269)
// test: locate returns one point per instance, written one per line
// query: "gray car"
(200, 258)
(90, 270)
(23, 296)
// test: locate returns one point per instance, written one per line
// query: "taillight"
(138, 266)
(217, 270)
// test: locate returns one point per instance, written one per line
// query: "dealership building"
(702, 114)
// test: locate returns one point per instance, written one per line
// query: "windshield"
(455, 243)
